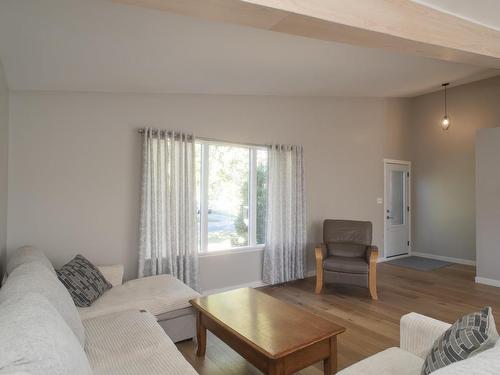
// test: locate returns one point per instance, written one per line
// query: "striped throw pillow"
(469, 335)
(83, 280)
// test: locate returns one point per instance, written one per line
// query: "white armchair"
(417, 334)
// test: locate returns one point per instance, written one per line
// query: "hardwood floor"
(371, 326)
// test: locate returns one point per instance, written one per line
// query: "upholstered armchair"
(347, 256)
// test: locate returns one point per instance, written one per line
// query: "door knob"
(389, 217)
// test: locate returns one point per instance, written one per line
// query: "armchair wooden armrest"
(320, 253)
(371, 254)
(371, 258)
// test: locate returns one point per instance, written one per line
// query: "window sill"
(235, 250)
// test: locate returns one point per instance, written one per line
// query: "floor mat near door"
(419, 263)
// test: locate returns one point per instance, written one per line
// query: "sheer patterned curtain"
(168, 233)
(284, 253)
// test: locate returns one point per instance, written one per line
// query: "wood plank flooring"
(371, 326)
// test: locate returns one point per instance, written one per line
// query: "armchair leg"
(373, 290)
(372, 282)
(372, 272)
(319, 252)
(319, 280)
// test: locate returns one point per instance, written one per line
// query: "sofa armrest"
(114, 273)
(418, 333)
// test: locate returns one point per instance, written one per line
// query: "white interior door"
(397, 209)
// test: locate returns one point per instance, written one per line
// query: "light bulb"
(445, 123)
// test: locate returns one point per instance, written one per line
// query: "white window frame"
(252, 199)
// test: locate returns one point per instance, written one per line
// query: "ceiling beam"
(397, 25)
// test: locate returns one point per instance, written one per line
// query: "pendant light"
(445, 121)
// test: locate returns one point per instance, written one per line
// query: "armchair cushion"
(359, 232)
(344, 249)
(346, 264)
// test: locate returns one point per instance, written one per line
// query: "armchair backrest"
(347, 238)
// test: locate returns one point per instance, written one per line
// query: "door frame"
(408, 164)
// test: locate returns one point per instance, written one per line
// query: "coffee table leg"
(201, 336)
(330, 364)
(275, 368)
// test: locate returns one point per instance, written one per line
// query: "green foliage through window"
(225, 203)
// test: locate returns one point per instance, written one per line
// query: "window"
(231, 195)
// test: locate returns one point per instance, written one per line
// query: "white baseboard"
(253, 284)
(382, 259)
(446, 259)
(485, 281)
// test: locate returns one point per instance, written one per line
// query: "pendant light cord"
(445, 103)
(445, 86)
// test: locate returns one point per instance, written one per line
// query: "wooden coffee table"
(274, 336)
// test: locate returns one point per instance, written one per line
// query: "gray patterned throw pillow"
(468, 336)
(83, 280)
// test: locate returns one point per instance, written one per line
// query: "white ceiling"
(96, 45)
(484, 12)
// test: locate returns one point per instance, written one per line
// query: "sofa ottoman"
(164, 296)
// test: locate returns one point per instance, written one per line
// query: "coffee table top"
(272, 327)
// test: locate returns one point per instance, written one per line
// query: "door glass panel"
(398, 197)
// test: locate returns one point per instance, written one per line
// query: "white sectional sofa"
(417, 335)
(41, 331)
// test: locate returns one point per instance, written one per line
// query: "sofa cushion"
(34, 339)
(392, 361)
(466, 337)
(83, 280)
(113, 273)
(130, 343)
(345, 264)
(484, 363)
(157, 294)
(27, 254)
(35, 277)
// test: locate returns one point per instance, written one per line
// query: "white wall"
(488, 206)
(4, 156)
(75, 161)
(444, 168)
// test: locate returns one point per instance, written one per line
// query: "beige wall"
(75, 165)
(4, 156)
(443, 167)
(488, 206)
